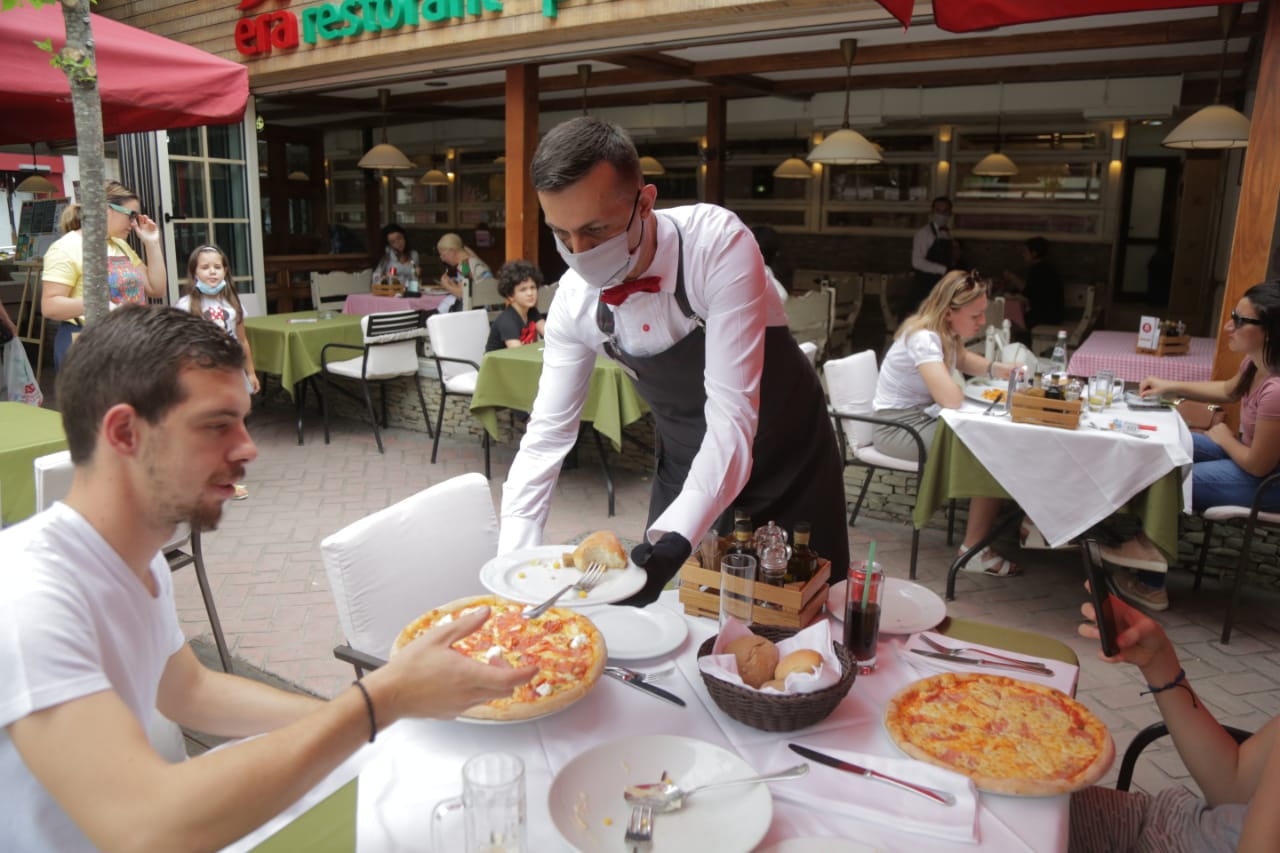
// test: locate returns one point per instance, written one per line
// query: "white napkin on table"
(1064, 675)
(851, 795)
(817, 637)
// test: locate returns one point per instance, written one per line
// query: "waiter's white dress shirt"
(920, 245)
(726, 284)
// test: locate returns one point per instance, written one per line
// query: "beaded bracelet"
(368, 704)
(1180, 681)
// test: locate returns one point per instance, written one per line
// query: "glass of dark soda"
(862, 613)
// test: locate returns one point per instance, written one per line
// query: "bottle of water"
(1059, 359)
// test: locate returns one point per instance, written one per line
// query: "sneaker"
(1136, 553)
(991, 564)
(1136, 592)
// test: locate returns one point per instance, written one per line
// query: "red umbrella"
(147, 82)
(962, 16)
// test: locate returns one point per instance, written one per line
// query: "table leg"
(1005, 522)
(299, 399)
(604, 464)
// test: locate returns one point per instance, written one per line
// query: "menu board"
(38, 226)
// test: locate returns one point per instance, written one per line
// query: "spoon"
(666, 796)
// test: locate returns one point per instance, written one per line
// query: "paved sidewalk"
(278, 613)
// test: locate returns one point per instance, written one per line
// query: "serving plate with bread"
(531, 575)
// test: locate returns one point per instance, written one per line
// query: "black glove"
(660, 561)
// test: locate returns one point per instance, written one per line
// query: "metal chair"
(389, 568)
(457, 345)
(1144, 738)
(390, 352)
(1252, 516)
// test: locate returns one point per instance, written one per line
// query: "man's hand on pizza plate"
(664, 557)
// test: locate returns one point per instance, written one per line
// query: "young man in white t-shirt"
(153, 404)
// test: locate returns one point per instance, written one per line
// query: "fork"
(637, 675)
(640, 829)
(590, 578)
(961, 650)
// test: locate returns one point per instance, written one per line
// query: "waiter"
(933, 253)
(681, 300)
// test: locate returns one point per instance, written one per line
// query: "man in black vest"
(933, 253)
(681, 299)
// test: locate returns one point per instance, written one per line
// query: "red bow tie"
(618, 294)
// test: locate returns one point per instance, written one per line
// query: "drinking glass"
(492, 804)
(1101, 386)
(862, 613)
(737, 586)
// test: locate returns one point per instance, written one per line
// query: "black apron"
(796, 471)
(940, 252)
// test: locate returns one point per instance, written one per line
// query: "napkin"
(850, 795)
(817, 637)
(1064, 675)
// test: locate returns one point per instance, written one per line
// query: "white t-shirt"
(216, 310)
(74, 621)
(900, 385)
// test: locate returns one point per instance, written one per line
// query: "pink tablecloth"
(367, 303)
(1114, 351)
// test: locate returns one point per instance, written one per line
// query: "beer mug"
(1101, 390)
(492, 805)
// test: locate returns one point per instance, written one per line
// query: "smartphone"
(1103, 594)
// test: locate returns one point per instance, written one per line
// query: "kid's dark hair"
(195, 301)
(514, 272)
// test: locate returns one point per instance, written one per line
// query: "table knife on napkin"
(944, 797)
(635, 681)
(1020, 667)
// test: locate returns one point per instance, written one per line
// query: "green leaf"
(46, 45)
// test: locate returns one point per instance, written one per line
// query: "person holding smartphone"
(1241, 782)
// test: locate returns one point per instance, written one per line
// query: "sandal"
(990, 563)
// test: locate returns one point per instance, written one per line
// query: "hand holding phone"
(1103, 594)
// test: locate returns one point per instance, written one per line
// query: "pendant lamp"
(384, 155)
(36, 183)
(1217, 125)
(434, 178)
(793, 167)
(846, 147)
(651, 166)
(997, 164)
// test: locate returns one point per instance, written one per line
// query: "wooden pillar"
(1259, 191)
(713, 183)
(522, 139)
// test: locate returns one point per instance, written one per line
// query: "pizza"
(567, 648)
(1008, 736)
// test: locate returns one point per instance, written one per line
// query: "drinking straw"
(866, 580)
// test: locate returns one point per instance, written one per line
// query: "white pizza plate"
(636, 633)
(818, 845)
(530, 575)
(974, 387)
(587, 792)
(905, 607)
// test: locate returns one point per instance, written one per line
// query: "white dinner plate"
(587, 807)
(905, 607)
(636, 633)
(974, 388)
(818, 845)
(532, 575)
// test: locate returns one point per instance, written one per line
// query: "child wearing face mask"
(213, 296)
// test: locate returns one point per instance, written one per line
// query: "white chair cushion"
(389, 568)
(851, 385)
(461, 334)
(871, 456)
(462, 383)
(1238, 513)
(53, 474)
(389, 360)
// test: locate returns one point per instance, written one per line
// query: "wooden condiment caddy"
(388, 289)
(1033, 407)
(1168, 345)
(798, 604)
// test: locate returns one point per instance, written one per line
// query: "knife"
(1020, 667)
(645, 686)
(944, 797)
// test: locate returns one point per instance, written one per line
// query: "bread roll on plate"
(601, 547)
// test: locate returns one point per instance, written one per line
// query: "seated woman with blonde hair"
(915, 384)
(469, 269)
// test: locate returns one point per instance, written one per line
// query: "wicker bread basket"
(777, 712)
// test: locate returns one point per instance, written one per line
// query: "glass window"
(754, 216)
(188, 188)
(679, 184)
(225, 142)
(211, 197)
(186, 237)
(744, 181)
(227, 184)
(981, 140)
(234, 240)
(185, 141)
(1036, 182)
(880, 182)
(872, 219)
(1046, 222)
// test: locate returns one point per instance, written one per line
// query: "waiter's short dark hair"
(1038, 246)
(573, 148)
(945, 198)
(513, 273)
(136, 355)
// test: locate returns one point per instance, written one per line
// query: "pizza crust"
(564, 691)
(1008, 736)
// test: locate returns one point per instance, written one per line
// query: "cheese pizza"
(566, 647)
(1009, 736)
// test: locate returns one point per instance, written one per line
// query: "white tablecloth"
(1069, 480)
(415, 764)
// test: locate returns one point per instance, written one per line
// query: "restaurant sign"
(280, 29)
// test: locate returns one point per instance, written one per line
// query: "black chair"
(390, 351)
(187, 552)
(1145, 738)
(1252, 516)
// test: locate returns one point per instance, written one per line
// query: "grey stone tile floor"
(279, 616)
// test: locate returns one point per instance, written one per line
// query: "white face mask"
(941, 219)
(606, 264)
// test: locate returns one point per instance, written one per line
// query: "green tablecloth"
(26, 433)
(291, 350)
(327, 827)
(954, 472)
(509, 380)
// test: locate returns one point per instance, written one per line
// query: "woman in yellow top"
(129, 279)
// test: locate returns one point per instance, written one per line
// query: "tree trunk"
(79, 64)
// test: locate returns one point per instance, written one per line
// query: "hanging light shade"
(299, 175)
(1217, 125)
(384, 155)
(793, 167)
(846, 147)
(996, 164)
(434, 178)
(36, 184)
(651, 166)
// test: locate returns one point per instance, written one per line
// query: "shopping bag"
(20, 380)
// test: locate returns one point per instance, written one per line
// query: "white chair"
(851, 386)
(390, 352)
(329, 290)
(810, 315)
(389, 568)
(546, 294)
(483, 293)
(457, 345)
(810, 350)
(848, 287)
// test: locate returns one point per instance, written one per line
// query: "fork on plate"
(639, 835)
(589, 580)
(970, 650)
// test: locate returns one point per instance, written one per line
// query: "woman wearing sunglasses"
(128, 278)
(1228, 466)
